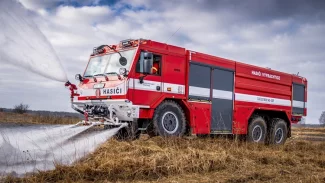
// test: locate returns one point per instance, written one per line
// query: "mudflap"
(129, 132)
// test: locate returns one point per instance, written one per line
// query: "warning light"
(169, 89)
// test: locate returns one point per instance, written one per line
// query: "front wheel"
(130, 132)
(169, 119)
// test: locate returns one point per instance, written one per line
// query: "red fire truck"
(161, 89)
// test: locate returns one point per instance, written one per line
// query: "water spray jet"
(23, 45)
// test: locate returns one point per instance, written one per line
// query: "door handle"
(158, 88)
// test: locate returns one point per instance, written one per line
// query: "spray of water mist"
(29, 149)
(22, 44)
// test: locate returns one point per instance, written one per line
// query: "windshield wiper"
(119, 77)
(99, 75)
(87, 76)
(114, 50)
(112, 73)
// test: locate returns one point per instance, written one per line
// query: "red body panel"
(200, 117)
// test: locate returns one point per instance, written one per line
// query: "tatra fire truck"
(160, 89)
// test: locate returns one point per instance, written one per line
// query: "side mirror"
(147, 62)
(78, 77)
(123, 61)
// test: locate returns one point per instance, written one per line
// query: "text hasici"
(112, 91)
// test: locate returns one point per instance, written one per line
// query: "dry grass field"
(301, 159)
(191, 159)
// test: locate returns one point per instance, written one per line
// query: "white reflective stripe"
(298, 104)
(261, 99)
(195, 101)
(142, 106)
(148, 85)
(198, 91)
(131, 83)
(205, 92)
(174, 88)
(221, 94)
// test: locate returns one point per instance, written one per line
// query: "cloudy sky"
(284, 35)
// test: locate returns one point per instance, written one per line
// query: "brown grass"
(302, 130)
(193, 160)
(36, 119)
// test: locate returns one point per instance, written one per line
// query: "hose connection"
(72, 88)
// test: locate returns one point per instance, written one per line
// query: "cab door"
(149, 90)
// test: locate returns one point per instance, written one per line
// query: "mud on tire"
(278, 132)
(169, 119)
(257, 130)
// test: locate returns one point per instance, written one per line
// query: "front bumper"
(119, 111)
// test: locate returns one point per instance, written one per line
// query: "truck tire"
(257, 130)
(151, 131)
(169, 119)
(278, 132)
(130, 132)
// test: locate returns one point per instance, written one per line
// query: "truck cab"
(103, 95)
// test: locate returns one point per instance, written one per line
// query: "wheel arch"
(174, 103)
(185, 108)
(183, 104)
(269, 114)
(146, 122)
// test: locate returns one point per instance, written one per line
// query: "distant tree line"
(21, 108)
(24, 108)
(322, 118)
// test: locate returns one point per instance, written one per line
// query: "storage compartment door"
(222, 101)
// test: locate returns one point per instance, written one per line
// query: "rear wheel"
(169, 119)
(257, 130)
(278, 132)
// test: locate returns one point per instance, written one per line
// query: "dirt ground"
(301, 159)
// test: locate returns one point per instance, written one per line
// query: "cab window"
(156, 69)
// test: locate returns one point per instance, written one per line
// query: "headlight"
(128, 112)
(122, 71)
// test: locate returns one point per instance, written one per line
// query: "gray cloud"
(283, 35)
(268, 10)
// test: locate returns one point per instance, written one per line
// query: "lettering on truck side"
(266, 75)
(265, 99)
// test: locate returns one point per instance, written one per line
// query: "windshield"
(109, 63)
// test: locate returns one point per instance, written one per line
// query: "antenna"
(172, 34)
